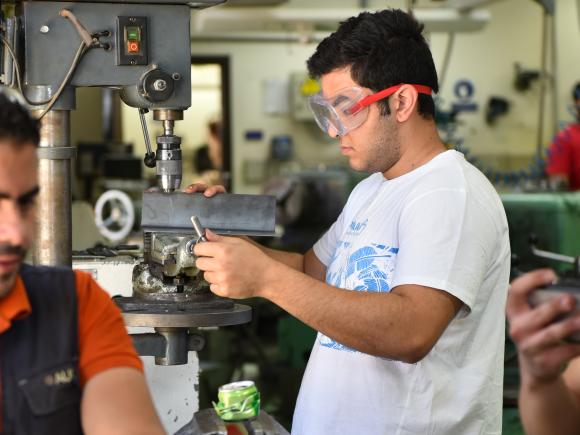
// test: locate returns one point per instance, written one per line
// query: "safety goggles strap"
(367, 101)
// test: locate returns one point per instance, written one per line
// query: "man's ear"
(404, 102)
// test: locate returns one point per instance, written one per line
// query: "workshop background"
(506, 70)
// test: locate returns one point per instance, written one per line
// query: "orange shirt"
(103, 339)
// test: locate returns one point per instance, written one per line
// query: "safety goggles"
(349, 108)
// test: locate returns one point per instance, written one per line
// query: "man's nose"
(12, 226)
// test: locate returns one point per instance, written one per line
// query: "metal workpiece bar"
(224, 213)
(53, 244)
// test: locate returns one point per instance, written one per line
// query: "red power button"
(133, 47)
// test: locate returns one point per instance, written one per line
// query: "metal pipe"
(434, 19)
(543, 77)
(263, 37)
(53, 243)
(554, 61)
(553, 256)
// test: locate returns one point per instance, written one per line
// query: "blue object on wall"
(254, 135)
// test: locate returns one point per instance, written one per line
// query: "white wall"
(486, 58)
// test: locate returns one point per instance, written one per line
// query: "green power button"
(133, 33)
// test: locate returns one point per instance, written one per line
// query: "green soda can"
(238, 401)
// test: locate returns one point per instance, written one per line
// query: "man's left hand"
(207, 190)
(539, 336)
(234, 267)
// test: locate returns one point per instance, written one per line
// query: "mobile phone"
(546, 294)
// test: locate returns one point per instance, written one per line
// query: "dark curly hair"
(383, 49)
(16, 123)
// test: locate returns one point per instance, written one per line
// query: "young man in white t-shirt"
(408, 287)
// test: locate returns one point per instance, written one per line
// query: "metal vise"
(169, 236)
(168, 267)
(169, 292)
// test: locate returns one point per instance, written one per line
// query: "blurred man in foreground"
(67, 365)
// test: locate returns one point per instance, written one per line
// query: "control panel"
(151, 65)
(132, 41)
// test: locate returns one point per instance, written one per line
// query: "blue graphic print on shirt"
(369, 268)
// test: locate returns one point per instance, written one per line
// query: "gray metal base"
(238, 315)
(209, 310)
(172, 320)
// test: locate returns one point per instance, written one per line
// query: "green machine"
(551, 219)
(544, 230)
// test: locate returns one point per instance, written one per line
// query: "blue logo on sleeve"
(357, 227)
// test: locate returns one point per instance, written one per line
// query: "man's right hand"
(208, 191)
(543, 353)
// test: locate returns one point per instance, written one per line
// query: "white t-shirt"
(441, 226)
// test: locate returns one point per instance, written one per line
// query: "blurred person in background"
(563, 165)
(208, 159)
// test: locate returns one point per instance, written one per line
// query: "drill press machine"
(142, 49)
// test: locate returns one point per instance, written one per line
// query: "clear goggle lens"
(348, 109)
(335, 115)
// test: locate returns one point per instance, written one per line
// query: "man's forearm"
(381, 324)
(117, 402)
(549, 408)
(290, 259)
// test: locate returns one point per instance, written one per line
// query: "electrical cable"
(83, 48)
(14, 42)
(80, 52)
(17, 68)
(83, 33)
(75, 63)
